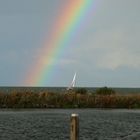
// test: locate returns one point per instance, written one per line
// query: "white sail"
(72, 85)
(73, 81)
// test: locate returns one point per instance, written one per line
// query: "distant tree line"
(79, 98)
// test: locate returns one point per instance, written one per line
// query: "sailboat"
(72, 85)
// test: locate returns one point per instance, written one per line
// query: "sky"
(106, 52)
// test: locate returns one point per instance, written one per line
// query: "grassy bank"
(71, 99)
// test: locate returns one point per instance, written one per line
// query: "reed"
(17, 99)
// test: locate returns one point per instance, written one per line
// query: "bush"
(81, 91)
(105, 91)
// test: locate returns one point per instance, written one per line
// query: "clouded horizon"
(106, 53)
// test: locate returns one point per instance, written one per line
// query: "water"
(53, 124)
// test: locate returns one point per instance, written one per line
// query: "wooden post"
(74, 127)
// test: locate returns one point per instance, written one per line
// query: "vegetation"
(81, 91)
(102, 98)
(105, 91)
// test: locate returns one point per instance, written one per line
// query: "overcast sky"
(106, 53)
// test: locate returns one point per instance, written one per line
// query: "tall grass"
(73, 99)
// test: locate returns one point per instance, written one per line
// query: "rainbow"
(69, 23)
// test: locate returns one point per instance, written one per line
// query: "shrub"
(105, 91)
(81, 91)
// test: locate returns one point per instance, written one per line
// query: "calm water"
(53, 124)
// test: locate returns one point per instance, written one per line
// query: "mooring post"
(74, 127)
